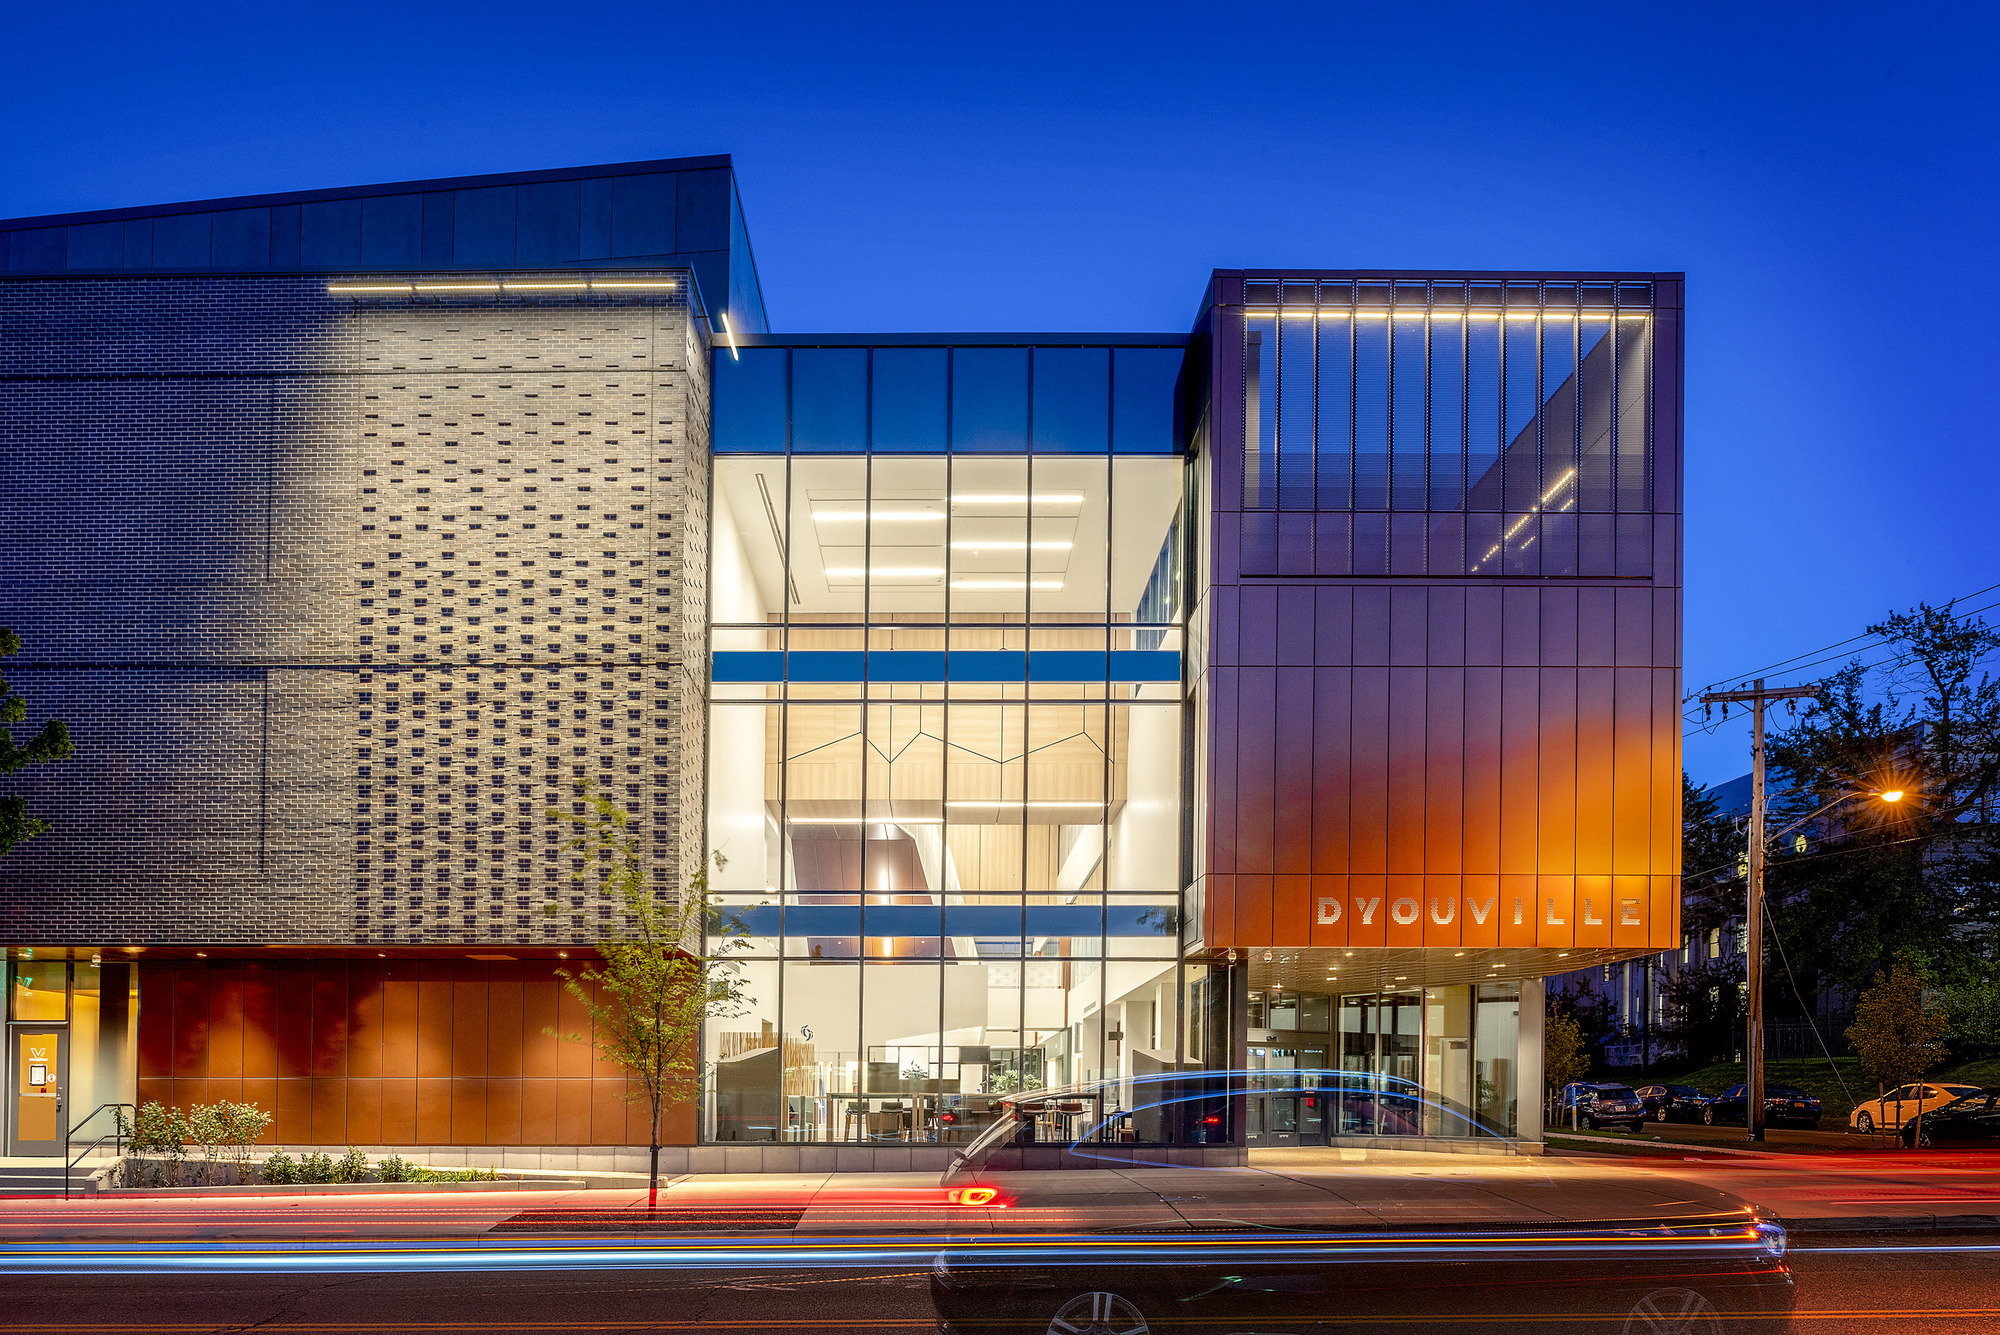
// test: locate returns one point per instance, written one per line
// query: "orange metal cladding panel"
(1666, 821)
(260, 1020)
(433, 1111)
(1631, 911)
(572, 1058)
(364, 1111)
(399, 1111)
(1407, 781)
(1404, 907)
(538, 1112)
(1444, 764)
(295, 1020)
(1594, 911)
(329, 1020)
(434, 1026)
(1368, 771)
(468, 1018)
(1481, 852)
(1329, 910)
(1332, 698)
(329, 1111)
(1593, 770)
(1666, 923)
(1555, 910)
(1632, 783)
(365, 1006)
(1367, 910)
(1256, 768)
(156, 1021)
(1520, 754)
(1294, 852)
(503, 1022)
(540, 1051)
(573, 1108)
(1555, 843)
(155, 1089)
(1253, 911)
(677, 1125)
(503, 1112)
(1222, 780)
(294, 1107)
(607, 1111)
(1479, 911)
(225, 1021)
(399, 1018)
(468, 1111)
(263, 1091)
(1221, 899)
(1519, 913)
(1444, 911)
(1291, 911)
(190, 1021)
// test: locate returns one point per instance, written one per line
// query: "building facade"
(1290, 694)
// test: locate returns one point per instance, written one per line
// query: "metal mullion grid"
(1021, 885)
(1104, 790)
(784, 729)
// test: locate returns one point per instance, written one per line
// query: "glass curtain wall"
(1401, 427)
(945, 749)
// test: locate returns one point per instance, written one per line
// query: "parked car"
(1596, 1105)
(1782, 1104)
(1974, 1116)
(1671, 1103)
(1899, 1105)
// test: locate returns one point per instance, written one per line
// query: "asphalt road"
(1856, 1283)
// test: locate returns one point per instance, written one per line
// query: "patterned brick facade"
(338, 597)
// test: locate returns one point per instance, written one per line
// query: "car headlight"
(1772, 1239)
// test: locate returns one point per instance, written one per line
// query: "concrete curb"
(1680, 1147)
(347, 1188)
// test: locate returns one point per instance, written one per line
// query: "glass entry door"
(40, 1067)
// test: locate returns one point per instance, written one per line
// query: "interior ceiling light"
(878, 516)
(1011, 546)
(1006, 584)
(1015, 802)
(1003, 498)
(864, 820)
(886, 572)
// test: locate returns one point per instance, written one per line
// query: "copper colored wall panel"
(1443, 770)
(1368, 771)
(1256, 766)
(1293, 745)
(1333, 691)
(1408, 687)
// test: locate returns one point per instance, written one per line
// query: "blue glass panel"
(1072, 400)
(906, 665)
(989, 400)
(1066, 665)
(825, 664)
(738, 665)
(749, 401)
(1142, 399)
(830, 400)
(989, 665)
(909, 400)
(1145, 665)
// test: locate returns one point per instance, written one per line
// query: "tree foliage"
(1898, 1032)
(1565, 1055)
(1920, 875)
(654, 986)
(1703, 1002)
(1712, 846)
(50, 743)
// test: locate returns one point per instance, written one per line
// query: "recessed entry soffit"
(1385, 969)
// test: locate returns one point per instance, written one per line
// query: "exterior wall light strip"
(623, 284)
(456, 287)
(546, 287)
(729, 334)
(367, 287)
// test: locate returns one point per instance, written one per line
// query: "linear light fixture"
(1050, 546)
(510, 285)
(1006, 584)
(1003, 498)
(864, 820)
(895, 515)
(1015, 802)
(1453, 313)
(729, 334)
(886, 572)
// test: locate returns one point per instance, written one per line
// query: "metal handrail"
(116, 1134)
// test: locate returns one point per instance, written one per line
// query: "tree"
(1896, 1032)
(1565, 1056)
(1712, 848)
(1703, 1002)
(656, 983)
(51, 743)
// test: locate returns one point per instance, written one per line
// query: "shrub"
(396, 1168)
(243, 1124)
(157, 1128)
(351, 1167)
(280, 1170)
(314, 1168)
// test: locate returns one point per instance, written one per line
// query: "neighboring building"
(1295, 693)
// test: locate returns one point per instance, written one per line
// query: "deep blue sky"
(1825, 175)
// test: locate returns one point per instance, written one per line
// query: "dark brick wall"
(338, 598)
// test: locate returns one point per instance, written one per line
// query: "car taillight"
(976, 1196)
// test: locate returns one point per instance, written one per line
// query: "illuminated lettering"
(1404, 911)
(1554, 921)
(1589, 919)
(1479, 910)
(1367, 907)
(1628, 913)
(1450, 910)
(1327, 912)
(1519, 909)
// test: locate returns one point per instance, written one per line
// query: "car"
(1589, 1105)
(1707, 1273)
(1970, 1117)
(1900, 1104)
(1671, 1103)
(1782, 1104)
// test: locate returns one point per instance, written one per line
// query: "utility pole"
(1753, 946)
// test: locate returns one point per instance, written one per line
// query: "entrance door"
(41, 1074)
